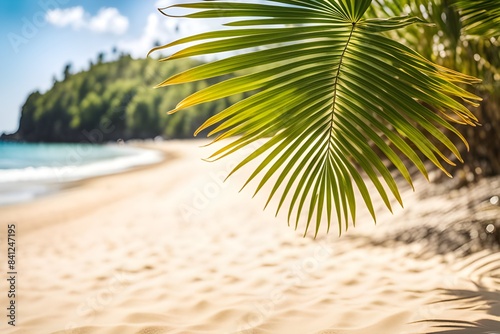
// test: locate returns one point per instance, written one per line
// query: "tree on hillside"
(112, 99)
(67, 71)
(333, 83)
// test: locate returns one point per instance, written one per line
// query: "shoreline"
(34, 213)
(28, 183)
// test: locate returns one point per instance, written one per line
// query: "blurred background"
(76, 72)
(171, 248)
(75, 63)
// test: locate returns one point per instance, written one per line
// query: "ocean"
(30, 170)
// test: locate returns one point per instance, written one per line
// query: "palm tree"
(325, 87)
(464, 36)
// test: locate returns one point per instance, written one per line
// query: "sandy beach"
(172, 249)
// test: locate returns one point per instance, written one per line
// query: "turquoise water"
(31, 170)
(25, 155)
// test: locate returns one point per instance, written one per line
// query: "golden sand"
(172, 249)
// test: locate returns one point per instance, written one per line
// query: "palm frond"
(480, 17)
(325, 85)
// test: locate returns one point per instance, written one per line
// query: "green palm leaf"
(480, 17)
(326, 86)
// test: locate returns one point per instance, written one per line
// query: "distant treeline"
(112, 101)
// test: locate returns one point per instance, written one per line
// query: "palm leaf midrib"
(327, 163)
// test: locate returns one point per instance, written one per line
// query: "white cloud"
(158, 29)
(163, 29)
(107, 20)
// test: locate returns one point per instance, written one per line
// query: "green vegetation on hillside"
(113, 101)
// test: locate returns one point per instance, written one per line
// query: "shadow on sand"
(482, 300)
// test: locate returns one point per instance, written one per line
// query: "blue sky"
(39, 37)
